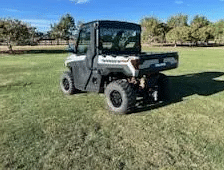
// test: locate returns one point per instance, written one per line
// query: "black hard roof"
(115, 24)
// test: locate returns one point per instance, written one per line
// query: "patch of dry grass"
(40, 47)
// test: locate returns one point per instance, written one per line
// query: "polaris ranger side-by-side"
(107, 57)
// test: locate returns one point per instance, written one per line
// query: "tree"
(200, 21)
(152, 29)
(206, 33)
(197, 33)
(15, 32)
(39, 35)
(55, 32)
(181, 34)
(202, 34)
(163, 29)
(219, 31)
(34, 34)
(64, 29)
(178, 20)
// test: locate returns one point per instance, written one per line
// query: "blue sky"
(42, 13)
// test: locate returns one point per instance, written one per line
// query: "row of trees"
(177, 29)
(16, 32)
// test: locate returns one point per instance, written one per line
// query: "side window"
(84, 41)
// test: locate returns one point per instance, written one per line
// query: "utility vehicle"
(107, 58)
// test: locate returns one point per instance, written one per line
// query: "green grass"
(40, 128)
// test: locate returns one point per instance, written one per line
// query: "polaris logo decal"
(160, 64)
(147, 63)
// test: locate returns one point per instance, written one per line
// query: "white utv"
(107, 58)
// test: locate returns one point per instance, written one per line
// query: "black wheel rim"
(66, 84)
(116, 98)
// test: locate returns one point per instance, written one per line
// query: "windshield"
(119, 40)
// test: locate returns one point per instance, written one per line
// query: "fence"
(46, 42)
(54, 42)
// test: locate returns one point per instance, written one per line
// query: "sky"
(42, 13)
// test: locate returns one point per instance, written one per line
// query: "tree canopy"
(64, 28)
(177, 29)
(153, 29)
(200, 21)
(15, 32)
(181, 34)
(219, 31)
(178, 20)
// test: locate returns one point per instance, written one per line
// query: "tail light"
(135, 63)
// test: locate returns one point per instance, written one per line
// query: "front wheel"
(120, 96)
(67, 83)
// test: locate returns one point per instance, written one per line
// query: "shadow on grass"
(34, 51)
(205, 84)
(45, 51)
(187, 45)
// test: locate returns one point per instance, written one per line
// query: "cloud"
(80, 1)
(10, 10)
(179, 2)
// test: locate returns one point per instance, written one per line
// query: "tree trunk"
(175, 44)
(9, 46)
(196, 43)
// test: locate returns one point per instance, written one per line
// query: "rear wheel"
(67, 83)
(120, 96)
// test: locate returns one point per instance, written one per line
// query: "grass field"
(40, 128)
